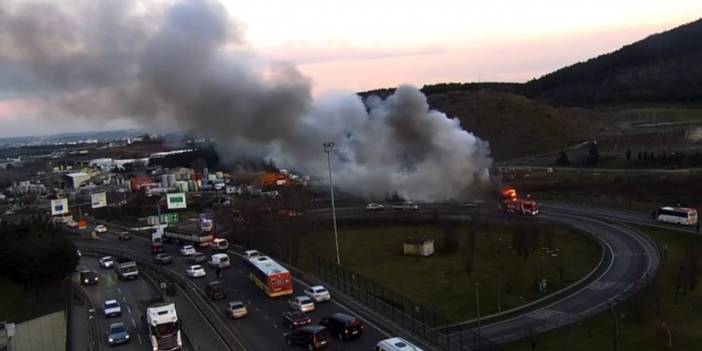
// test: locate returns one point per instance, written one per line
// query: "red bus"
(269, 276)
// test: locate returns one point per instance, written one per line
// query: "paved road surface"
(262, 328)
(128, 294)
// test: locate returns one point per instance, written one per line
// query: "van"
(220, 260)
(221, 244)
(249, 254)
(395, 344)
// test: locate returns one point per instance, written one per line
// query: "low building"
(75, 180)
(418, 247)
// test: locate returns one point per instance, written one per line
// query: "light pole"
(477, 307)
(328, 148)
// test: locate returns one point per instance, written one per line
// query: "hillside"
(662, 68)
(517, 126)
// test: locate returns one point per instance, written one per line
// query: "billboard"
(176, 200)
(98, 200)
(59, 207)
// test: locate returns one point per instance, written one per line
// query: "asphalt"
(128, 294)
(262, 328)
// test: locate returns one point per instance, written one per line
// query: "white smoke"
(185, 63)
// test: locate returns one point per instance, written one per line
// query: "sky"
(361, 45)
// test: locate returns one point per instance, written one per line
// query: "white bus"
(677, 215)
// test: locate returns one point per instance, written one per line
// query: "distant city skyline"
(363, 45)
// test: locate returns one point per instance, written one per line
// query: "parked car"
(301, 303)
(318, 293)
(163, 259)
(343, 326)
(249, 254)
(197, 257)
(88, 277)
(195, 271)
(187, 250)
(220, 260)
(236, 309)
(311, 337)
(106, 262)
(215, 290)
(374, 207)
(117, 334)
(112, 308)
(100, 228)
(296, 319)
(124, 236)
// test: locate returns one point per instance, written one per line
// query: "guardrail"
(183, 286)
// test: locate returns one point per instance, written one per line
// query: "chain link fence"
(418, 319)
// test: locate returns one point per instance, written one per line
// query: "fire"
(510, 193)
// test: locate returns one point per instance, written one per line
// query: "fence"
(420, 320)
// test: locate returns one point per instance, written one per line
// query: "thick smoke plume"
(185, 62)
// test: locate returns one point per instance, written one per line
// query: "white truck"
(126, 268)
(162, 325)
(405, 206)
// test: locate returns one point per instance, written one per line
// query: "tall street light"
(328, 148)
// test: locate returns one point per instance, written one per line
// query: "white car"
(301, 303)
(187, 250)
(248, 254)
(106, 262)
(112, 308)
(318, 293)
(195, 271)
(100, 228)
(374, 207)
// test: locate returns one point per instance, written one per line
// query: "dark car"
(197, 258)
(117, 334)
(215, 290)
(296, 319)
(124, 236)
(163, 259)
(311, 337)
(343, 326)
(88, 277)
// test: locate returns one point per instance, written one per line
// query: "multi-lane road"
(629, 260)
(262, 328)
(127, 295)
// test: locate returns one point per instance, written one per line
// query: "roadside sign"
(98, 200)
(59, 206)
(169, 218)
(176, 200)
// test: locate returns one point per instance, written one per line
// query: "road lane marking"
(266, 316)
(124, 299)
(133, 323)
(120, 290)
(139, 337)
(129, 310)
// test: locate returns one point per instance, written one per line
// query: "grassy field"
(643, 325)
(440, 282)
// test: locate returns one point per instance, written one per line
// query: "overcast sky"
(363, 44)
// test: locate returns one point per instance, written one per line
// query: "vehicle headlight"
(110, 339)
(127, 336)
(85, 280)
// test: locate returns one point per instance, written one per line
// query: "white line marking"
(139, 337)
(124, 299)
(133, 323)
(129, 310)
(266, 316)
(120, 290)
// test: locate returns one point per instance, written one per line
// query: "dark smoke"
(187, 63)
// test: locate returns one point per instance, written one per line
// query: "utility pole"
(328, 148)
(477, 307)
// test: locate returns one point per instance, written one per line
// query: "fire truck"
(513, 204)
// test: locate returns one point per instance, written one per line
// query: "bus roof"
(681, 209)
(266, 265)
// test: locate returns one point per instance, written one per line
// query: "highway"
(629, 261)
(262, 328)
(127, 293)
